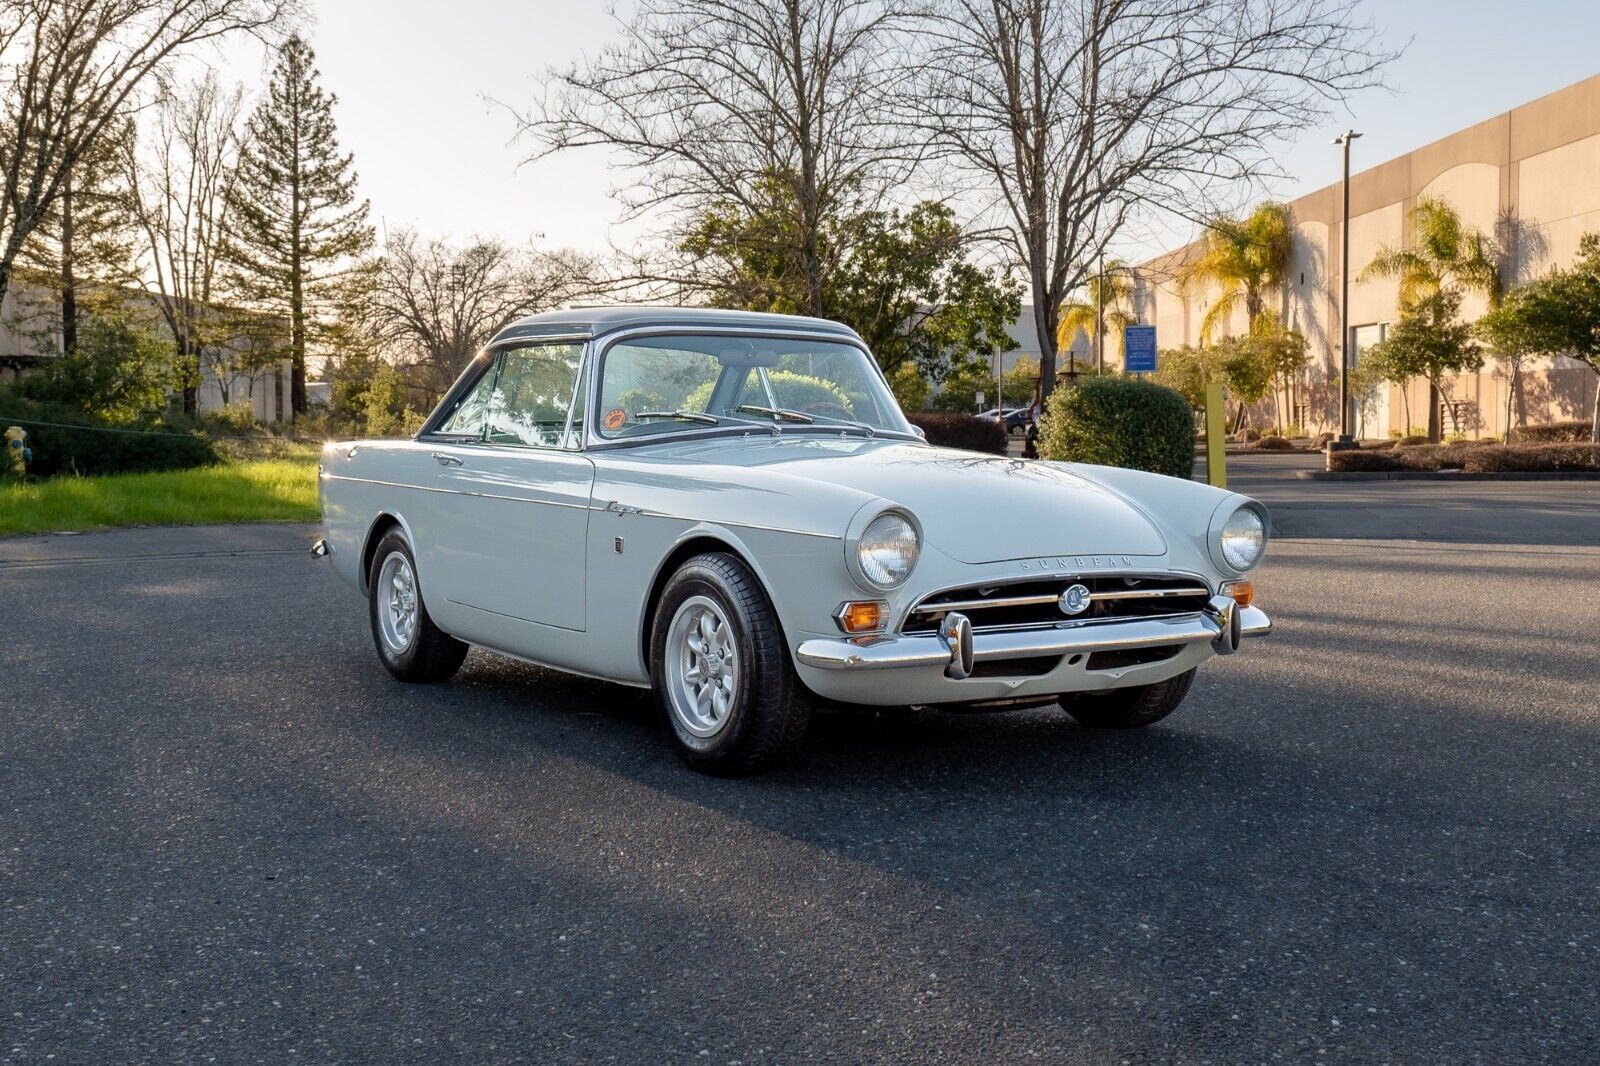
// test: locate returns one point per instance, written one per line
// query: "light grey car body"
(556, 555)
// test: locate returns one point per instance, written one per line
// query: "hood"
(974, 508)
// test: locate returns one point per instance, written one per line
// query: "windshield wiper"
(781, 413)
(870, 431)
(687, 416)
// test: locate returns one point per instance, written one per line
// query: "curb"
(1447, 475)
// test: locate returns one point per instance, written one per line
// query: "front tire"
(721, 671)
(1129, 708)
(410, 646)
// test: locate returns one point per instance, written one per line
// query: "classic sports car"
(730, 509)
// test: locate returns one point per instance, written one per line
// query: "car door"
(512, 505)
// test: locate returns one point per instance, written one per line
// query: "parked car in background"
(1016, 419)
(730, 509)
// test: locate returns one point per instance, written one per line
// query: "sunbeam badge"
(1075, 600)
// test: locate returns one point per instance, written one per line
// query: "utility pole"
(1345, 429)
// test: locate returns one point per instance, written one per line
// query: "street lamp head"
(1346, 137)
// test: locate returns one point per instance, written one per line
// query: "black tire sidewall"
(392, 542)
(772, 711)
(695, 579)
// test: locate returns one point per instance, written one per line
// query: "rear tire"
(410, 646)
(721, 671)
(1128, 708)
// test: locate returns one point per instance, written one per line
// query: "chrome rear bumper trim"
(898, 652)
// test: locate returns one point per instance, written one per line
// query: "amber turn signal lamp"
(1241, 592)
(863, 616)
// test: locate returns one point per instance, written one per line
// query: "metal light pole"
(1345, 435)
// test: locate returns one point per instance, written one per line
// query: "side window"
(533, 395)
(472, 411)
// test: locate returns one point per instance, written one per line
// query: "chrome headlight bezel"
(1230, 562)
(855, 549)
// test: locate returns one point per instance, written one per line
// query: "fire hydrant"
(17, 453)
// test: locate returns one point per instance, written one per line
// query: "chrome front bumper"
(1223, 624)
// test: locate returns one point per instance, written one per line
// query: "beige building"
(1532, 174)
(26, 312)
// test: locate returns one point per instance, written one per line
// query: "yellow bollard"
(1216, 437)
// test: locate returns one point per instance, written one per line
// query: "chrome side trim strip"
(614, 507)
(457, 492)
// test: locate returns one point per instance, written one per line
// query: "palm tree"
(1106, 297)
(1245, 259)
(1444, 252)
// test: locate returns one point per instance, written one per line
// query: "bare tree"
(180, 181)
(434, 304)
(774, 111)
(1082, 115)
(70, 70)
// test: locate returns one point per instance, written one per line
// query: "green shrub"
(232, 419)
(794, 391)
(949, 429)
(1273, 444)
(119, 373)
(1413, 441)
(67, 441)
(1553, 433)
(1116, 421)
(635, 400)
(1251, 435)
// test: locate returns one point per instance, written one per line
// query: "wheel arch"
(381, 525)
(696, 541)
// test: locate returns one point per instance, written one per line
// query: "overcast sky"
(413, 76)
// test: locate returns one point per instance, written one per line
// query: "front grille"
(1034, 603)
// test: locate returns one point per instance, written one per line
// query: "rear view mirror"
(744, 355)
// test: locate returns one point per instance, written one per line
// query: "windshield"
(668, 384)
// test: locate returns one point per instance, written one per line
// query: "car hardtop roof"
(593, 321)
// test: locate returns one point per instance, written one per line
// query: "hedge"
(1553, 433)
(950, 430)
(65, 440)
(1117, 421)
(1533, 457)
(1473, 458)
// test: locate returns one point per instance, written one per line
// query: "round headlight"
(887, 550)
(1243, 538)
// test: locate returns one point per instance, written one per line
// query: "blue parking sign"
(1139, 349)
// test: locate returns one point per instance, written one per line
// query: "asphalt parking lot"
(226, 834)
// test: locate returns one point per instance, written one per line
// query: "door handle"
(446, 460)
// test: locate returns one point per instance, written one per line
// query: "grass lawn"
(261, 490)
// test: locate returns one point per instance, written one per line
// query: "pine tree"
(297, 225)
